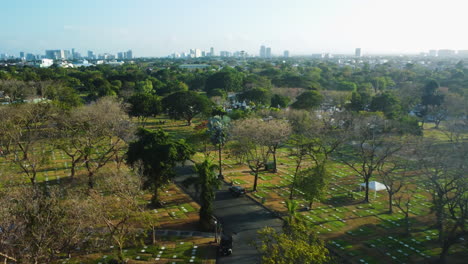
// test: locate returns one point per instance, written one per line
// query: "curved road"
(239, 216)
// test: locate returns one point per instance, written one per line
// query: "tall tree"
(155, 154)
(218, 128)
(186, 105)
(373, 145)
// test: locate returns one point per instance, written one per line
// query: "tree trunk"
(310, 204)
(90, 180)
(443, 254)
(275, 170)
(155, 197)
(390, 202)
(153, 234)
(255, 181)
(72, 170)
(220, 176)
(366, 198)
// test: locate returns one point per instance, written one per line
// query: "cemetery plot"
(167, 250)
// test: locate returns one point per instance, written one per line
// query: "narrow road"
(239, 216)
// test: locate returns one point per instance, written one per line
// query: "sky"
(161, 27)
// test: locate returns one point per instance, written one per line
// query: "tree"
(208, 183)
(279, 101)
(186, 105)
(387, 103)
(313, 183)
(275, 132)
(98, 133)
(299, 152)
(144, 105)
(298, 244)
(249, 133)
(259, 96)
(218, 128)
(155, 154)
(373, 146)
(444, 167)
(403, 202)
(392, 180)
(308, 100)
(23, 128)
(227, 79)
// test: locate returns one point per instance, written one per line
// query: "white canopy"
(373, 185)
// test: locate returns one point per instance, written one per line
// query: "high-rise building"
(73, 53)
(57, 54)
(212, 54)
(262, 51)
(30, 57)
(433, 53)
(22, 55)
(91, 55)
(358, 52)
(268, 52)
(445, 53)
(286, 54)
(128, 55)
(120, 55)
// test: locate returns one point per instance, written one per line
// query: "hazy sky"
(161, 27)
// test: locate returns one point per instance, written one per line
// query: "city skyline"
(158, 28)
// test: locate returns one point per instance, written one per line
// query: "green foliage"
(186, 105)
(313, 182)
(346, 86)
(209, 183)
(155, 154)
(228, 79)
(278, 100)
(298, 244)
(144, 105)
(308, 100)
(257, 95)
(387, 103)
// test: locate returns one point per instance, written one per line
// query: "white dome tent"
(373, 185)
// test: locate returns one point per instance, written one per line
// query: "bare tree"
(99, 132)
(373, 145)
(23, 129)
(250, 134)
(403, 202)
(390, 173)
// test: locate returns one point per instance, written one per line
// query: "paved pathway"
(240, 217)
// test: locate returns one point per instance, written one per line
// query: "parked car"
(237, 190)
(225, 245)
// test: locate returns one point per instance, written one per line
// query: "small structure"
(375, 186)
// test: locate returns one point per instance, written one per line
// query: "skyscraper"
(212, 52)
(268, 52)
(262, 51)
(358, 53)
(21, 54)
(90, 55)
(286, 54)
(129, 55)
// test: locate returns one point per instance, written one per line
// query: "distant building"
(45, 63)
(193, 66)
(268, 52)
(463, 53)
(262, 51)
(225, 54)
(91, 55)
(358, 52)
(433, 53)
(22, 55)
(445, 53)
(286, 54)
(56, 54)
(30, 57)
(120, 55)
(212, 54)
(128, 55)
